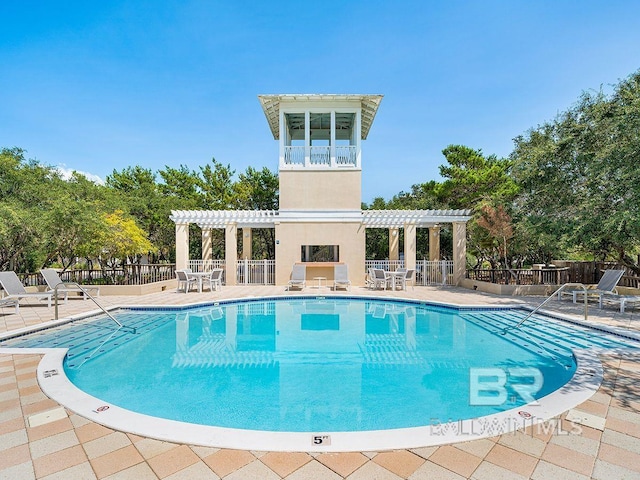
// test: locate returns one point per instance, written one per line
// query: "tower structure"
(320, 171)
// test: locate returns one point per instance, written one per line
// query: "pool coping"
(54, 383)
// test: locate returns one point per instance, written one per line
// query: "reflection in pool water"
(313, 364)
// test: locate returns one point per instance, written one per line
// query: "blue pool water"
(319, 364)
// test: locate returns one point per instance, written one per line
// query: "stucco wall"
(320, 190)
(350, 237)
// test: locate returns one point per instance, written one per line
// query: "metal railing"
(388, 265)
(132, 274)
(90, 297)
(428, 272)
(248, 272)
(558, 292)
(434, 272)
(521, 276)
(256, 272)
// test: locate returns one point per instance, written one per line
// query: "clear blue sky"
(101, 85)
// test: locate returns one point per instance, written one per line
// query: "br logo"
(490, 386)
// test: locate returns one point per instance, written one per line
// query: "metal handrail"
(557, 292)
(87, 294)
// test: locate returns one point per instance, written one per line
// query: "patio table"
(198, 276)
(395, 277)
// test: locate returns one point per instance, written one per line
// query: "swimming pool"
(314, 365)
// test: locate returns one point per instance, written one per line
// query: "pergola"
(409, 220)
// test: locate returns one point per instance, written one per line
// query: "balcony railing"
(346, 155)
(321, 156)
(294, 155)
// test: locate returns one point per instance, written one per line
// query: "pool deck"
(76, 448)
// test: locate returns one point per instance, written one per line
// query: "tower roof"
(271, 106)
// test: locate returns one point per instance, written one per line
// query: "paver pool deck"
(76, 448)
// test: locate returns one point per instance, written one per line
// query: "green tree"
(473, 181)
(143, 199)
(258, 190)
(579, 175)
(120, 242)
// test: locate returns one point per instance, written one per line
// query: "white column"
(247, 238)
(283, 136)
(332, 142)
(410, 246)
(358, 138)
(231, 252)
(434, 243)
(394, 244)
(307, 138)
(182, 246)
(459, 251)
(207, 245)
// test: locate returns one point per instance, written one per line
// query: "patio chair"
(52, 278)
(341, 277)
(10, 302)
(409, 277)
(215, 279)
(185, 283)
(13, 287)
(378, 278)
(607, 284)
(298, 277)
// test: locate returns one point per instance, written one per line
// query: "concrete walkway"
(75, 448)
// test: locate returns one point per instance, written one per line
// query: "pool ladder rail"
(557, 292)
(92, 298)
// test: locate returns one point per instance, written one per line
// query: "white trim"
(269, 218)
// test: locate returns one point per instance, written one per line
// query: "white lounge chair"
(298, 277)
(341, 277)
(215, 279)
(614, 298)
(53, 279)
(184, 281)
(607, 284)
(10, 302)
(13, 287)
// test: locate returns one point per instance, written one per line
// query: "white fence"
(256, 272)
(248, 272)
(438, 272)
(263, 272)
(388, 265)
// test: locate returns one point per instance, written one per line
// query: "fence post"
(264, 272)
